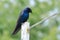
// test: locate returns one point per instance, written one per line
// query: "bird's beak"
(31, 11)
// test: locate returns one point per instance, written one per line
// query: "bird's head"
(28, 10)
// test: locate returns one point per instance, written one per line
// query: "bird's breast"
(24, 17)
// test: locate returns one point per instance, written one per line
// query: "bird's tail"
(18, 27)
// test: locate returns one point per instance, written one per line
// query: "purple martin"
(22, 18)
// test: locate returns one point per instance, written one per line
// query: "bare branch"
(42, 20)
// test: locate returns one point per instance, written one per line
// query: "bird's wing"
(18, 25)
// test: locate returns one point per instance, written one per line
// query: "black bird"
(22, 18)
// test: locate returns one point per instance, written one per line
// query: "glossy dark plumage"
(22, 18)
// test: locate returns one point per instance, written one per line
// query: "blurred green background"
(48, 30)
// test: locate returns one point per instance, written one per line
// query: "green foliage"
(10, 11)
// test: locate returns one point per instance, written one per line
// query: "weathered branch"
(34, 25)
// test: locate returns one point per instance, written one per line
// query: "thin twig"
(42, 20)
